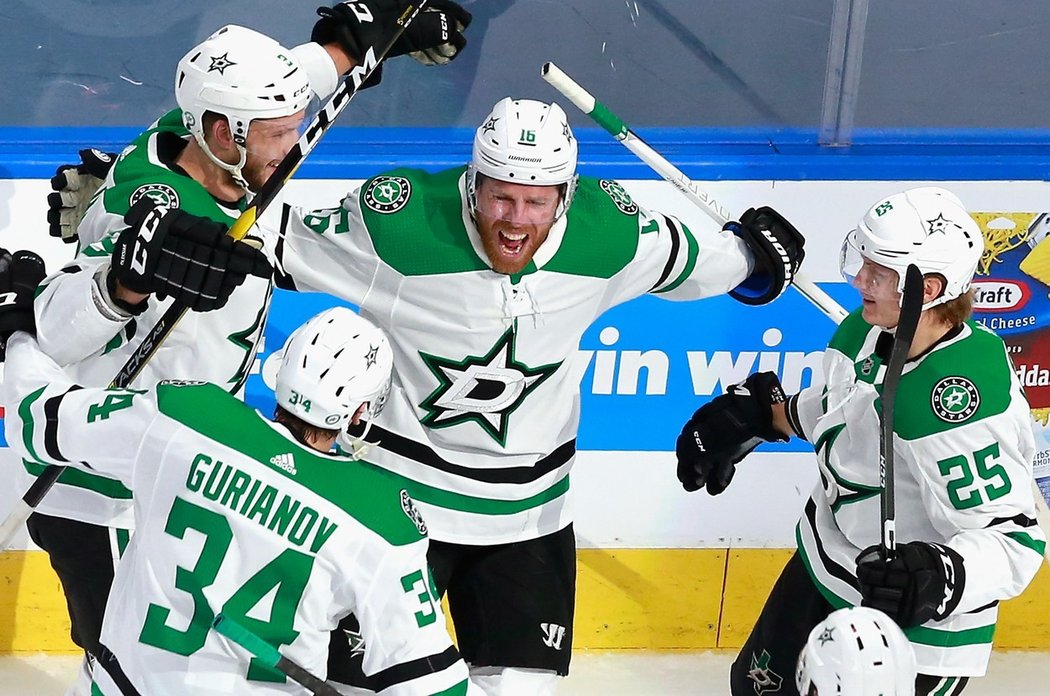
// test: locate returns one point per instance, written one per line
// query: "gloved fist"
(20, 274)
(725, 430)
(778, 250)
(74, 186)
(434, 37)
(922, 581)
(191, 258)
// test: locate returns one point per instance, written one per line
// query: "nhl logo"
(388, 194)
(412, 512)
(954, 399)
(161, 194)
(621, 198)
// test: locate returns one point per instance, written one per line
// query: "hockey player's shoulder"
(963, 380)
(602, 216)
(140, 173)
(377, 500)
(851, 334)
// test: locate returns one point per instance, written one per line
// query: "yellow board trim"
(626, 599)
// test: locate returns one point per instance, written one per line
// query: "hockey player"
(242, 98)
(486, 277)
(856, 651)
(250, 517)
(965, 525)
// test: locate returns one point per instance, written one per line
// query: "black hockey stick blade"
(911, 309)
(322, 122)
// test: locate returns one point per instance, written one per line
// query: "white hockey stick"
(586, 103)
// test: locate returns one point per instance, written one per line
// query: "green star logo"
(388, 194)
(485, 390)
(954, 399)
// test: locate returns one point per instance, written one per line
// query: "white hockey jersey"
(963, 451)
(483, 415)
(234, 516)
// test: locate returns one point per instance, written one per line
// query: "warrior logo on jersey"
(161, 194)
(954, 399)
(413, 513)
(765, 679)
(486, 389)
(619, 196)
(388, 194)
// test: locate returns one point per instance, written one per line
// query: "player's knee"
(514, 681)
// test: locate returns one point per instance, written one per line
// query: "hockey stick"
(320, 125)
(911, 309)
(270, 656)
(586, 103)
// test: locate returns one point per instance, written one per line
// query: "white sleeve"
(319, 68)
(51, 420)
(804, 409)
(407, 648)
(77, 297)
(327, 250)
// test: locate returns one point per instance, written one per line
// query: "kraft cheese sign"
(645, 366)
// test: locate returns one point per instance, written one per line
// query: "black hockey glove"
(725, 430)
(434, 37)
(20, 274)
(190, 258)
(73, 186)
(777, 247)
(922, 581)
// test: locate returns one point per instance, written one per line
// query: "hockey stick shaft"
(612, 123)
(911, 309)
(270, 656)
(320, 125)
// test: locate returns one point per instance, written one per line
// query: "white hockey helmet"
(856, 651)
(926, 226)
(331, 365)
(523, 141)
(242, 75)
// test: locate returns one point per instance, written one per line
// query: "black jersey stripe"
(676, 244)
(51, 407)
(791, 412)
(1018, 519)
(418, 452)
(280, 278)
(108, 661)
(407, 671)
(829, 565)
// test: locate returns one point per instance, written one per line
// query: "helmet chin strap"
(235, 170)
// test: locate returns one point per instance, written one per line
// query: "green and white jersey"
(80, 332)
(234, 516)
(482, 419)
(963, 449)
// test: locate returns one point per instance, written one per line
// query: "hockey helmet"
(926, 226)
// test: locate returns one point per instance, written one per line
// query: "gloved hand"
(725, 430)
(74, 186)
(778, 250)
(922, 581)
(20, 274)
(434, 37)
(171, 252)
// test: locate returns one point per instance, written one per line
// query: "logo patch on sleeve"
(388, 194)
(954, 399)
(619, 196)
(413, 512)
(162, 194)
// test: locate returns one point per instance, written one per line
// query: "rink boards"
(658, 568)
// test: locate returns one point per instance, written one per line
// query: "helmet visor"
(518, 204)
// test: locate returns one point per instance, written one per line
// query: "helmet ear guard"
(928, 227)
(241, 75)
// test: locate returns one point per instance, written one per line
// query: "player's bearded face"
(877, 286)
(514, 220)
(269, 140)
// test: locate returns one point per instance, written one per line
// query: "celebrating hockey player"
(966, 532)
(856, 651)
(250, 517)
(242, 98)
(485, 277)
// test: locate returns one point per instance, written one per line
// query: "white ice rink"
(596, 674)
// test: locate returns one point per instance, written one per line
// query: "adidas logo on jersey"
(284, 461)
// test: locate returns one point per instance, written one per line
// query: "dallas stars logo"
(826, 636)
(220, 63)
(388, 194)
(954, 399)
(938, 224)
(371, 355)
(765, 679)
(490, 125)
(485, 390)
